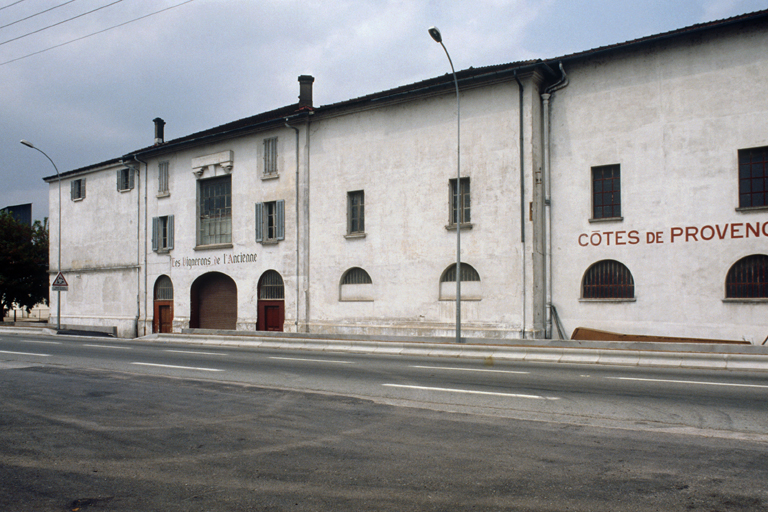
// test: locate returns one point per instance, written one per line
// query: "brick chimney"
(305, 90)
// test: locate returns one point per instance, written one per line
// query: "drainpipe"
(522, 206)
(138, 244)
(306, 224)
(146, 184)
(561, 84)
(298, 238)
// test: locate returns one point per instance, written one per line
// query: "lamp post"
(58, 178)
(435, 34)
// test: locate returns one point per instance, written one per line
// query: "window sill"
(163, 251)
(751, 209)
(355, 300)
(634, 299)
(163, 194)
(124, 190)
(607, 219)
(760, 300)
(354, 236)
(463, 298)
(266, 177)
(78, 199)
(212, 247)
(269, 242)
(464, 226)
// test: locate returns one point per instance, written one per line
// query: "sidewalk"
(666, 355)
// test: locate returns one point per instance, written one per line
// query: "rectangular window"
(463, 202)
(162, 178)
(606, 192)
(77, 189)
(270, 221)
(753, 177)
(125, 179)
(162, 233)
(355, 212)
(215, 210)
(270, 156)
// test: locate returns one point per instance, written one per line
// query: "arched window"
(608, 279)
(748, 278)
(356, 285)
(356, 275)
(163, 288)
(271, 286)
(470, 283)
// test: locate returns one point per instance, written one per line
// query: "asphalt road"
(95, 424)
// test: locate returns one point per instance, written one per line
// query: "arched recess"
(356, 285)
(608, 279)
(748, 278)
(471, 286)
(271, 306)
(213, 302)
(162, 319)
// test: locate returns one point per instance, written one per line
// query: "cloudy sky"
(85, 92)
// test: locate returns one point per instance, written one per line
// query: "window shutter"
(170, 232)
(119, 180)
(131, 173)
(72, 189)
(155, 232)
(280, 221)
(82, 188)
(259, 222)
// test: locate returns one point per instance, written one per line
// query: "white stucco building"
(621, 189)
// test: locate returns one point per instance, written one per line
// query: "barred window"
(215, 209)
(608, 279)
(468, 273)
(271, 286)
(748, 278)
(163, 288)
(753, 177)
(606, 192)
(356, 275)
(162, 178)
(270, 156)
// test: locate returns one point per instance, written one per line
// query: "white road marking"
(311, 360)
(471, 392)
(468, 369)
(23, 353)
(43, 342)
(196, 352)
(179, 367)
(107, 346)
(701, 383)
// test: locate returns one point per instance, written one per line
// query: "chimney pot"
(159, 129)
(305, 90)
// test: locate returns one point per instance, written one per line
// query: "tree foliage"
(23, 263)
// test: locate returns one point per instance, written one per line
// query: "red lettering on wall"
(619, 236)
(675, 232)
(722, 234)
(691, 232)
(634, 237)
(755, 230)
(711, 231)
(734, 229)
(584, 235)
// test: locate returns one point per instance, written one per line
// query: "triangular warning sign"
(60, 281)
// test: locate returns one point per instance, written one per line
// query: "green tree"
(23, 263)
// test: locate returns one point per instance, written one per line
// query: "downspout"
(561, 84)
(298, 237)
(522, 206)
(306, 226)
(146, 184)
(138, 245)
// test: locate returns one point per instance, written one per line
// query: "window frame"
(748, 182)
(162, 233)
(614, 191)
(77, 189)
(758, 265)
(271, 163)
(126, 179)
(265, 212)
(356, 214)
(616, 287)
(163, 183)
(220, 222)
(465, 199)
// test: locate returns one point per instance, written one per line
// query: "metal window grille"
(356, 276)
(608, 279)
(356, 212)
(463, 202)
(162, 177)
(753, 177)
(215, 211)
(748, 278)
(468, 273)
(164, 288)
(270, 156)
(271, 286)
(606, 192)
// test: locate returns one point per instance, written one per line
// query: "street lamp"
(435, 34)
(58, 177)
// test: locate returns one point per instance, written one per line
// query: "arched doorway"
(213, 302)
(271, 302)
(162, 319)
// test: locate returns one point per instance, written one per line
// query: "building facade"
(620, 189)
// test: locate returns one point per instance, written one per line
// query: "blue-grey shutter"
(155, 233)
(82, 188)
(170, 232)
(119, 175)
(72, 189)
(280, 221)
(259, 222)
(131, 178)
